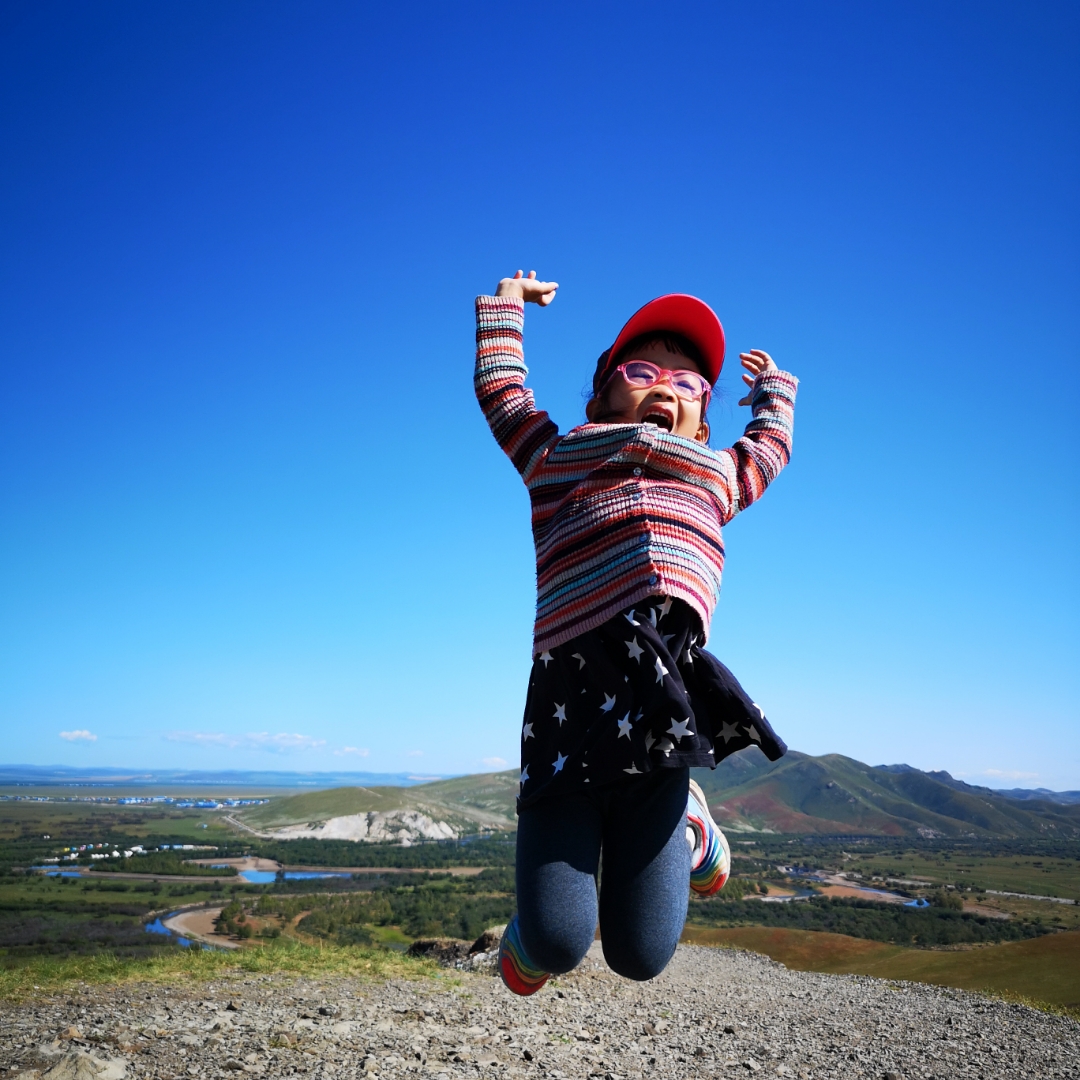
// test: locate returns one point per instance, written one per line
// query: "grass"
(284, 957)
(1043, 971)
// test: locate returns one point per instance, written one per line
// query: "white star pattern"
(753, 733)
(728, 732)
(667, 640)
(559, 762)
(759, 709)
(679, 728)
(633, 770)
(636, 651)
(652, 616)
(546, 657)
(629, 617)
(579, 658)
(609, 703)
(625, 727)
(640, 714)
(661, 671)
(650, 741)
(524, 775)
(665, 746)
(560, 713)
(527, 733)
(665, 607)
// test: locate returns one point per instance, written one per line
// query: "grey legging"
(640, 826)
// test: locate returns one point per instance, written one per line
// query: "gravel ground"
(712, 1013)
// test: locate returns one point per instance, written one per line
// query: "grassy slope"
(468, 801)
(1043, 969)
(284, 957)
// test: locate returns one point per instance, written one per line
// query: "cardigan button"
(653, 579)
(637, 471)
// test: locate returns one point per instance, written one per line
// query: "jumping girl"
(623, 700)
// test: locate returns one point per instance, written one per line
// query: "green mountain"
(836, 795)
(830, 795)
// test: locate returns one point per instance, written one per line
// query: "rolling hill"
(829, 795)
(444, 809)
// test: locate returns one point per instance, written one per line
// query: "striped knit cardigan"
(621, 512)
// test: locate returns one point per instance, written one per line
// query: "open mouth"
(660, 418)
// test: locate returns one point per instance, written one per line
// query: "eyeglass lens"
(687, 384)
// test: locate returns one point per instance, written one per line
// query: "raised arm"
(737, 476)
(765, 447)
(519, 427)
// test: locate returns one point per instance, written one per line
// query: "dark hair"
(672, 341)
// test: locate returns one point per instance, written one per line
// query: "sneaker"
(710, 862)
(518, 973)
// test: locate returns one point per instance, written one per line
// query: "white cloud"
(281, 743)
(494, 762)
(359, 751)
(1010, 774)
(81, 733)
(415, 753)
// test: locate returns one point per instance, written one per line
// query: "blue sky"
(250, 514)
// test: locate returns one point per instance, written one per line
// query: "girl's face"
(625, 404)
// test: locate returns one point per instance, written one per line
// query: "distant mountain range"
(68, 776)
(830, 795)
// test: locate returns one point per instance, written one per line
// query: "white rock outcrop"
(400, 826)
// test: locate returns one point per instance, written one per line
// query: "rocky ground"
(712, 1013)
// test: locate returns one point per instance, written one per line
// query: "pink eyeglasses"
(642, 374)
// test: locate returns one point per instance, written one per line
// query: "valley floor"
(712, 1011)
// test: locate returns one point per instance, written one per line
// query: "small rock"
(80, 1065)
(528, 1055)
(234, 1006)
(729, 1029)
(71, 1033)
(445, 951)
(488, 940)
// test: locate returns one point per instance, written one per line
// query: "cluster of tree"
(894, 923)
(436, 906)
(482, 851)
(161, 862)
(233, 920)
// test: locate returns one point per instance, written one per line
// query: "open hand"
(756, 363)
(528, 288)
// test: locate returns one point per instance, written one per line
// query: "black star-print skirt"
(635, 694)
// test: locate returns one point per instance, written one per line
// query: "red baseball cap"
(680, 314)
